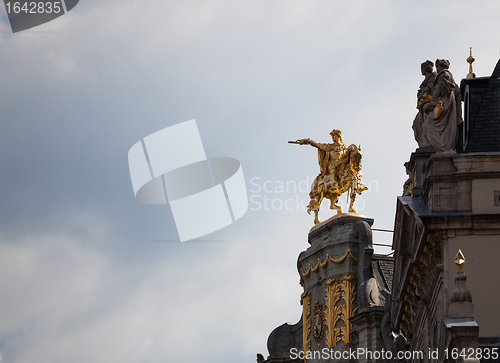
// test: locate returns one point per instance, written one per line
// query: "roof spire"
(470, 60)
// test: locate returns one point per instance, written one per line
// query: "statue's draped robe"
(327, 157)
(442, 132)
(323, 159)
(418, 124)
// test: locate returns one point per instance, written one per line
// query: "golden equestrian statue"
(340, 172)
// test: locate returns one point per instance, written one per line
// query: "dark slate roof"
(484, 135)
(383, 266)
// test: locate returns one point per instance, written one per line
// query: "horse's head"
(355, 156)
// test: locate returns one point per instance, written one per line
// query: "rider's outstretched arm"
(321, 146)
(318, 145)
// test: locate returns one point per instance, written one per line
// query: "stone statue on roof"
(444, 110)
(423, 96)
(440, 109)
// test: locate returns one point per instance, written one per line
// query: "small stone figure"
(393, 342)
(340, 171)
(370, 293)
(423, 96)
(444, 111)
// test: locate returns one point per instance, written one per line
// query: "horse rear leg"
(334, 205)
(316, 211)
(351, 205)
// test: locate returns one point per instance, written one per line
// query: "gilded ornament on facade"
(459, 260)
(325, 263)
(340, 172)
(435, 234)
(422, 101)
(318, 326)
(409, 191)
(438, 110)
(335, 291)
(305, 301)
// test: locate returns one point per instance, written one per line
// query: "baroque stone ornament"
(318, 326)
(305, 301)
(335, 291)
(340, 172)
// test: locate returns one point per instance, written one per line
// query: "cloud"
(65, 298)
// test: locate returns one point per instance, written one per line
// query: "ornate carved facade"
(328, 274)
(339, 300)
(449, 204)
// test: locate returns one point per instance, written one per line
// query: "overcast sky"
(87, 273)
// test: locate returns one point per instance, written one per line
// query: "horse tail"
(349, 191)
(319, 202)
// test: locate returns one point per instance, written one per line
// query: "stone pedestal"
(417, 169)
(463, 336)
(328, 274)
(461, 300)
(332, 328)
(462, 328)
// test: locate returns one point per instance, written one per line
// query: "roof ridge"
(485, 132)
(496, 71)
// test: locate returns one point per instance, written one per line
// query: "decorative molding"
(332, 312)
(305, 301)
(325, 263)
(335, 291)
(349, 285)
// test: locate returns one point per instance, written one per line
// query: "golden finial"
(459, 260)
(470, 60)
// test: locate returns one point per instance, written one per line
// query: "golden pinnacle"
(470, 60)
(459, 260)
